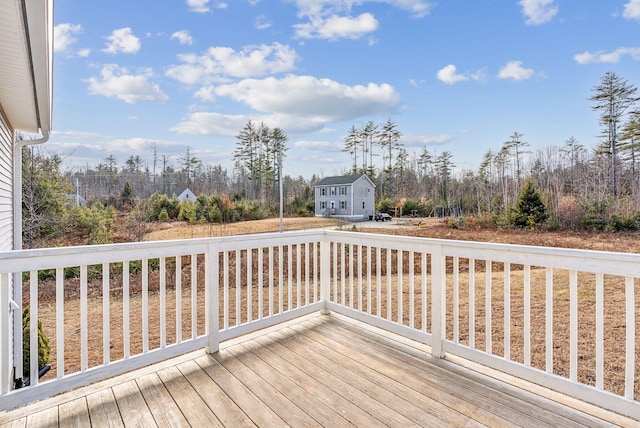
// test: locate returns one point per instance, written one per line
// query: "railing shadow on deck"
(565, 319)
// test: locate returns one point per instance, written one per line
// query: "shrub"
(164, 215)
(43, 344)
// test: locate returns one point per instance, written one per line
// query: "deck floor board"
(313, 371)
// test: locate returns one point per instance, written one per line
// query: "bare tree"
(612, 97)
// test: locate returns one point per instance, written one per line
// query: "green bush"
(164, 215)
(96, 221)
(43, 344)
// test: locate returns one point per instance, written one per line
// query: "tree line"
(581, 187)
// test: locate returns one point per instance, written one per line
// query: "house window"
(343, 205)
(323, 204)
(333, 191)
(362, 204)
(343, 190)
(323, 192)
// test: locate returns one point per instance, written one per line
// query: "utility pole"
(280, 185)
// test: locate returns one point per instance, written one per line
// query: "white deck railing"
(565, 319)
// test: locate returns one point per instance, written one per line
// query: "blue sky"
(454, 75)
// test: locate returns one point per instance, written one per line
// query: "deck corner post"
(325, 275)
(212, 310)
(439, 287)
(5, 369)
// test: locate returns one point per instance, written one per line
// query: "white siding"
(6, 187)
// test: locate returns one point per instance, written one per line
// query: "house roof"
(26, 46)
(342, 179)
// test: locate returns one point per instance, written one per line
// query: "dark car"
(382, 217)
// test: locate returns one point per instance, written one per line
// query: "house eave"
(26, 79)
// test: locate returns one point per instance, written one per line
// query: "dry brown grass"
(614, 301)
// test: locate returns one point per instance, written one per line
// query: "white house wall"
(6, 186)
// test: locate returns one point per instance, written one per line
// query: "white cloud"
(117, 82)
(183, 37)
(262, 23)
(632, 10)
(337, 27)
(218, 63)
(199, 6)
(206, 93)
(515, 71)
(538, 11)
(449, 75)
(609, 58)
(332, 19)
(84, 52)
(295, 103)
(122, 40)
(307, 96)
(64, 36)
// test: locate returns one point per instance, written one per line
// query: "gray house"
(351, 197)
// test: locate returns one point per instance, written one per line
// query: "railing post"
(212, 302)
(438, 300)
(5, 369)
(325, 274)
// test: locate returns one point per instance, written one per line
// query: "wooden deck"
(314, 371)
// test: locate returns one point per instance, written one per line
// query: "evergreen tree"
(530, 211)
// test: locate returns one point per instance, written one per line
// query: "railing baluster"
(527, 315)
(573, 325)
(600, 331)
(33, 327)
(472, 303)
(60, 323)
(343, 297)
(424, 287)
(549, 320)
(145, 306)
(359, 273)
(351, 274)
(178, 287)
(194, 295)
(280, 280)
(298, 275)
(488, 306)
(84, 322)
(270, 280)
(238, 287)
(507, 310)
(378, 281)
(289, 278)
(411, 290)
(316, 269)
(249, 284)
(106, 303)
(225, 290)
(260, 283)
(630, 330)
(334, 259)
(389, 300)
(5, 369)
(369, 279)
(126, 336)
(456, 299)
(400, 288)
(307, 289)
(163, 302)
